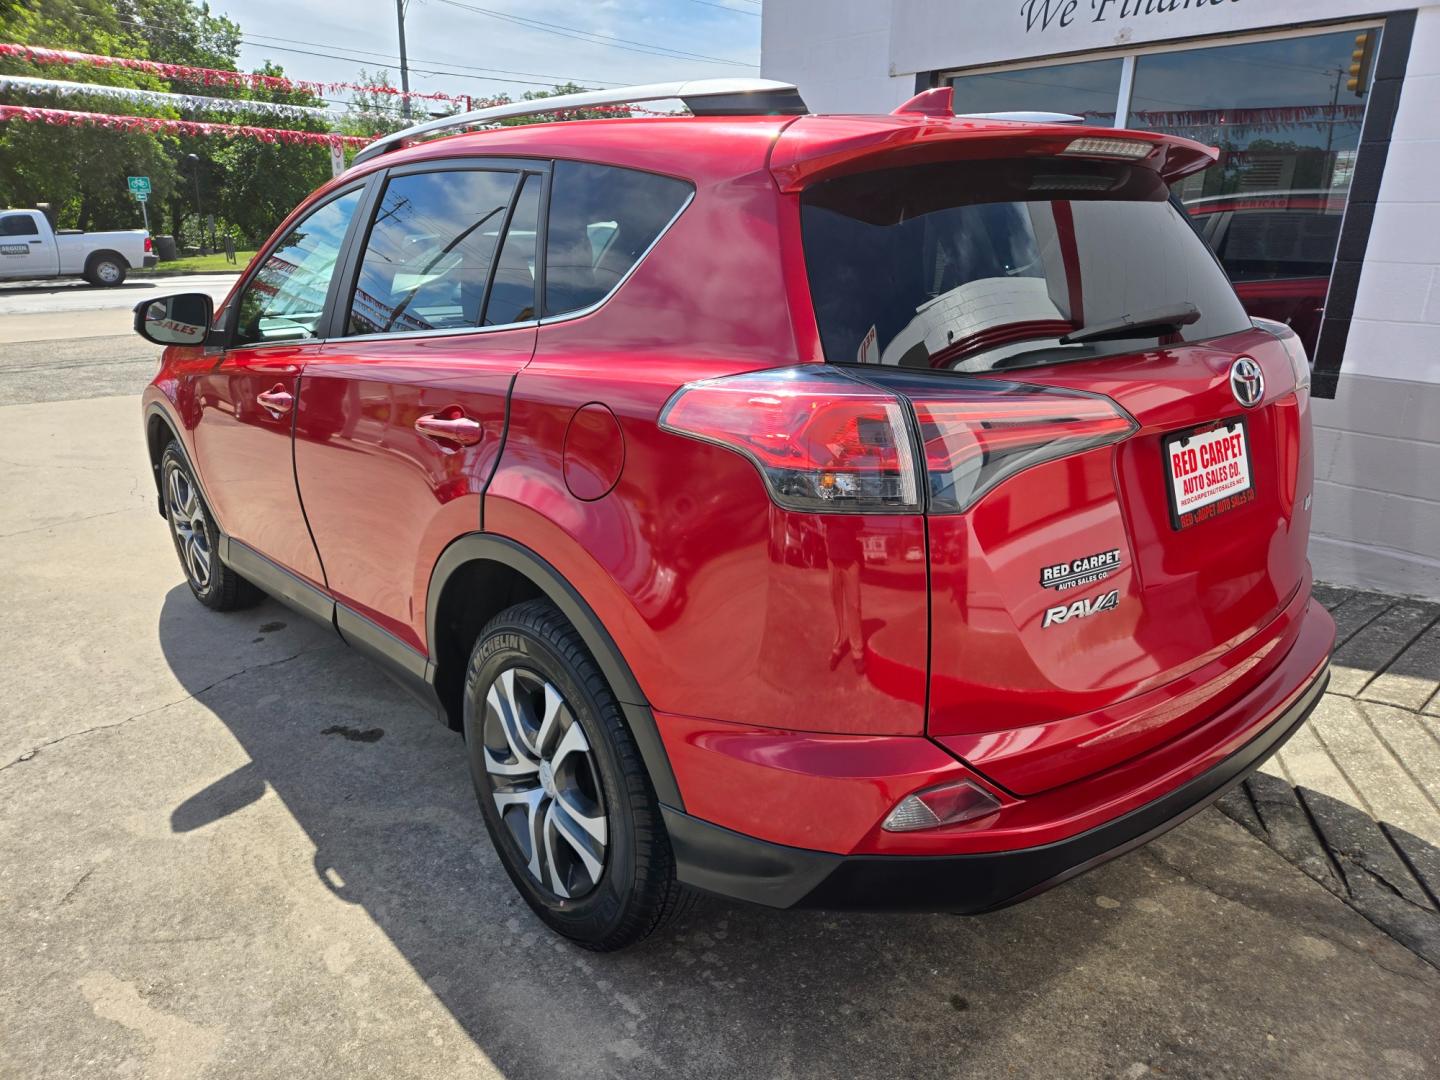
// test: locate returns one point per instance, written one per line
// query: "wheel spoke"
(199, 561)
(593, 824)
(501, 700)
(520, 767)
(573, 742)
(530, 800)
(556, 881)
(554, 706)
(563, 826)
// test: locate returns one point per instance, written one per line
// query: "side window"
(285, 299)
(428, 256)
(602, 219)
(18, 225)
(512, 294)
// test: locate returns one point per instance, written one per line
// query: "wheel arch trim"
(488, 547)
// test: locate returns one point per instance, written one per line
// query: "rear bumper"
(728, 863)
(149, 261)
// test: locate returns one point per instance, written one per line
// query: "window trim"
(364, 186)
(350, 271)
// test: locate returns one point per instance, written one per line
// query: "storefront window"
(1286, 116)
(1088, 89)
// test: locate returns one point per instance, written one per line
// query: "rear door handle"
(450, 425)
(278, 401)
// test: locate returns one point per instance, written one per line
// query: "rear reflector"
(1096, 146)
(948, 804)
(823, 442)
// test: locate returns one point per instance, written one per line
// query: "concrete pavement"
(202, 876)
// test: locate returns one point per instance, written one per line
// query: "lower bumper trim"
(719, 860)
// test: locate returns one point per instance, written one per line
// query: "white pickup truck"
(30, 248)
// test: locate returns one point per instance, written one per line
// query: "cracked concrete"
(196, 880)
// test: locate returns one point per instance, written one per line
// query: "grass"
(204, 264)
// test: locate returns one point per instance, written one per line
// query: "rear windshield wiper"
(1156, 323)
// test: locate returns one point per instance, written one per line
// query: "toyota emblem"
(1247, 382)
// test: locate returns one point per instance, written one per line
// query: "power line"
(265, 44)
(483, 72)
(591, 38)
(724, 7)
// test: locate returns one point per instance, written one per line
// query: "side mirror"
(183, 319)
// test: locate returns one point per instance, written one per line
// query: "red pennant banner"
(65, 118)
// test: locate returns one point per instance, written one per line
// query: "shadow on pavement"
(1074, 982)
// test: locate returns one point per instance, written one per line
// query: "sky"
(460, 46)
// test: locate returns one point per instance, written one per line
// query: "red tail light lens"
(148, 247)
(978, 434)
(822, 441)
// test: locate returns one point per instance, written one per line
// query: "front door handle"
(450, 425)
(278, 401)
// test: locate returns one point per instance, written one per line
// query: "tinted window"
(602, 219)
(18, 225)
(978, 266)
(512, 293)
(1267, 244)
(1089, 89)
(428, 256)
(286, 298)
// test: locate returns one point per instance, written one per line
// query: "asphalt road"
(202, 875)
(59, 338)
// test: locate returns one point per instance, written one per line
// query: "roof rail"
(703, 97)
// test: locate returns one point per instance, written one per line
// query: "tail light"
(825, 441)
(822, 441)
(148, 246)
(979, 434)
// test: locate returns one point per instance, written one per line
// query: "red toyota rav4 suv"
(884, 512)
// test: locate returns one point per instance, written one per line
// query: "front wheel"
(196, 539)
(562, 787)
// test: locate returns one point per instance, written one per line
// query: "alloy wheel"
(545, 781)
(192, 535)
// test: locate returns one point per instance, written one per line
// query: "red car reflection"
(1278, 248)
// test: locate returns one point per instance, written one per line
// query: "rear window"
(982, 266)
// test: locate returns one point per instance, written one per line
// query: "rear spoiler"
(816, 148)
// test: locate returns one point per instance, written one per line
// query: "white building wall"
(1377, 465)
(836, 51)
(1377, 493)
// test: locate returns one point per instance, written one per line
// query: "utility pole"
(404, 64)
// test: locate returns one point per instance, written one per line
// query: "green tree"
(608, 112)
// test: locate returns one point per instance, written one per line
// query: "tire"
(197, 540)
(574, 818)
(106, 271)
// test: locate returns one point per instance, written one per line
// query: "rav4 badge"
(1082, 609)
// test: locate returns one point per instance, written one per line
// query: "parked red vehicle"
(884, 512)
(1278, 248)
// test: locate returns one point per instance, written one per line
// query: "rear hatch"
(1118, 460)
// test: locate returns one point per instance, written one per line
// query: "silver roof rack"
(1025, 117)
(703, 97)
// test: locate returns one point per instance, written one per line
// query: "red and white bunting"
(66, 118)
(204, 76)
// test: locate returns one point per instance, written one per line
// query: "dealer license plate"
(1209, 472)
